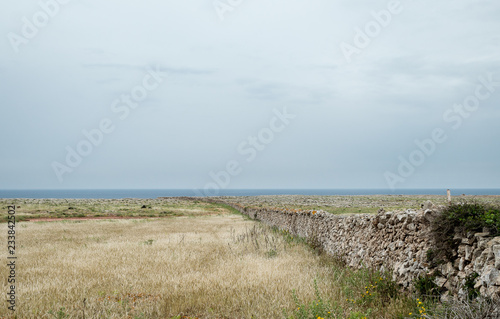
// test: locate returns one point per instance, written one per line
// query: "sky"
(208, 95)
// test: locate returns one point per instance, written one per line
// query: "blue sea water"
(154, 193)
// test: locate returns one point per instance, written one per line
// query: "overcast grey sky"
(335, 93)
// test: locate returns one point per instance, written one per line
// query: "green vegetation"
(462, 219)
(358, 293)
(426, 287)
(469, 285)
(28, 209)
(473, 217)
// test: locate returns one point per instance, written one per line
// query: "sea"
(155, 193)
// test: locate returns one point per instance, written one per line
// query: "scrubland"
(209, 264)
(183, 258)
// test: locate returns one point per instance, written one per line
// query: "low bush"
(426, 287)
(459, 219)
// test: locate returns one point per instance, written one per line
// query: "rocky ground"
(185, 206)
(349, 204)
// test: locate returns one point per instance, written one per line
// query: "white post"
(449, 196)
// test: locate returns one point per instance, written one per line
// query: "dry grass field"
(209, 264)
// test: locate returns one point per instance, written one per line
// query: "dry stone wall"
(398, 242)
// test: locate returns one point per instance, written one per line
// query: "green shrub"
(459, 219)
(426, 287)
(469, 285)
(474, 217)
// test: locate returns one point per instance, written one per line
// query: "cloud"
(171, 70)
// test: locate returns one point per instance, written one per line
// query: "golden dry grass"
(208, 267)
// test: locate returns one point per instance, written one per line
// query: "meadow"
(200, 261)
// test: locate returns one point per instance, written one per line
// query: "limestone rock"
(397, 241)
(489, 276)
(496, 252)
(440, 281)
(428, 205)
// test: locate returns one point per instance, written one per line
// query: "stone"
(480, 235)
(468, 241)
(481, 243)
(483, 291)
(448, 269)
(496, 252)
(428, 205)
(478, 284)
(430, 215)
(468, 253)
(440, 281)
(401, 217)
(493, 242)
(489, 276)
(493, 292)
(477, 253)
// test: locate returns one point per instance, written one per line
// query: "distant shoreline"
(155, 193)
